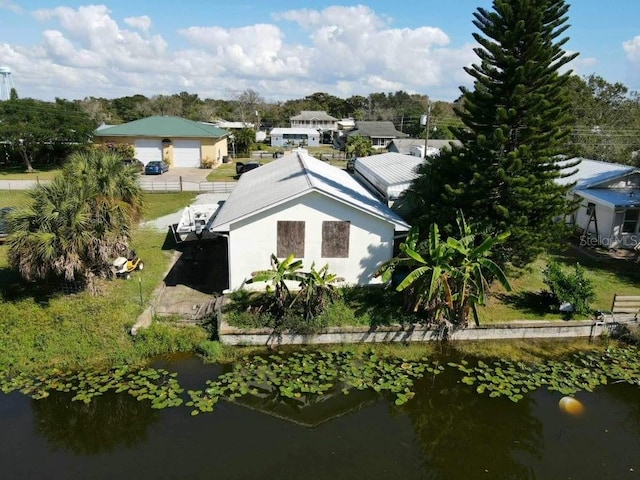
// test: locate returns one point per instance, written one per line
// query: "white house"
(608, 196)
(301, 205)
(281, 137)
(316, 119)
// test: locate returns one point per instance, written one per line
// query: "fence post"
(180, 182)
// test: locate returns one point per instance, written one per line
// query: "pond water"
(447, 431)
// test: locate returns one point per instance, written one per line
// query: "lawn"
(17, 172)
(609, 276)
(41, 327)
(160, 204)
(14, 198)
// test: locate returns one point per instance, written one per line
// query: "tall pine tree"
(517, 119)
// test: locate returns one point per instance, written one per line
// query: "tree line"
(605, 125)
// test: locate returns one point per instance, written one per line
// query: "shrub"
(574, 288)
(207, 162)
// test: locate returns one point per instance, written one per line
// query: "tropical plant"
(446, 279)
(75, 225)
(358, 146)
(281, 272)
(244, 140)
(317, 290)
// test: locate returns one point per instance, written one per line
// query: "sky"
(282, 49)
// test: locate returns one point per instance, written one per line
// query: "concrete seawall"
(417, 333)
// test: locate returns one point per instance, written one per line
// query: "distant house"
(303, 206)
(387, 175)
(346, 124)
(608, 212)
(224, 124)
(415, 146)
(178, 141)
(380, 133)
(281, 137)
(315, 119)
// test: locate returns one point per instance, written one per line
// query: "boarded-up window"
(290, 239)
(335, 239)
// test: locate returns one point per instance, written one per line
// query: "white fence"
(148, 185)
(181, 185)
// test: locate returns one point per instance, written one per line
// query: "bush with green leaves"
(574, 288)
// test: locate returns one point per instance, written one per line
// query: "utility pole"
(424, 120)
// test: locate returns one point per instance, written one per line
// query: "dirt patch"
(199, 273)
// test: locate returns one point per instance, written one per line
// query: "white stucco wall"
(251, 242)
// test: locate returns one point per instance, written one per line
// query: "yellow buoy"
(571, 406)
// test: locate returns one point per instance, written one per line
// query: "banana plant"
(317, 289)
(447, 279)
(281, 272)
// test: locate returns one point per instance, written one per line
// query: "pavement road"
(190, 178)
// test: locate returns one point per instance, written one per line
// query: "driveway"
(177, 179)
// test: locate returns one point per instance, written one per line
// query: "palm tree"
(106, 175)
(75, 225)
(447, 280)
(358, 146)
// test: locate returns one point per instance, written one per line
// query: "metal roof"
(314, 115)
(382, 129)
(163, 127)
(391, 168)
(403, 145)
(613, 197)
(290, 177)
(589, 173)
(294, 131)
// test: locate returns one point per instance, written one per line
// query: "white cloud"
(632, 47)
(141, 23)
(11, 6)
(343, 51)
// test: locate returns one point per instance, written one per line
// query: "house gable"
(353, 243)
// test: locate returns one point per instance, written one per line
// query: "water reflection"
(108, 422)
(311, 410)
(465, 435)
(447, 431)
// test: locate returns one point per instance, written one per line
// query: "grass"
(161, 204)
(15, 198)
(525, 302)
(42, 328)
(17, 172)
(225, 172)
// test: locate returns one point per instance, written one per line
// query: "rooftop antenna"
(6, 83)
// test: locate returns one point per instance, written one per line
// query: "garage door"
(186, 153)
(148, 150)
